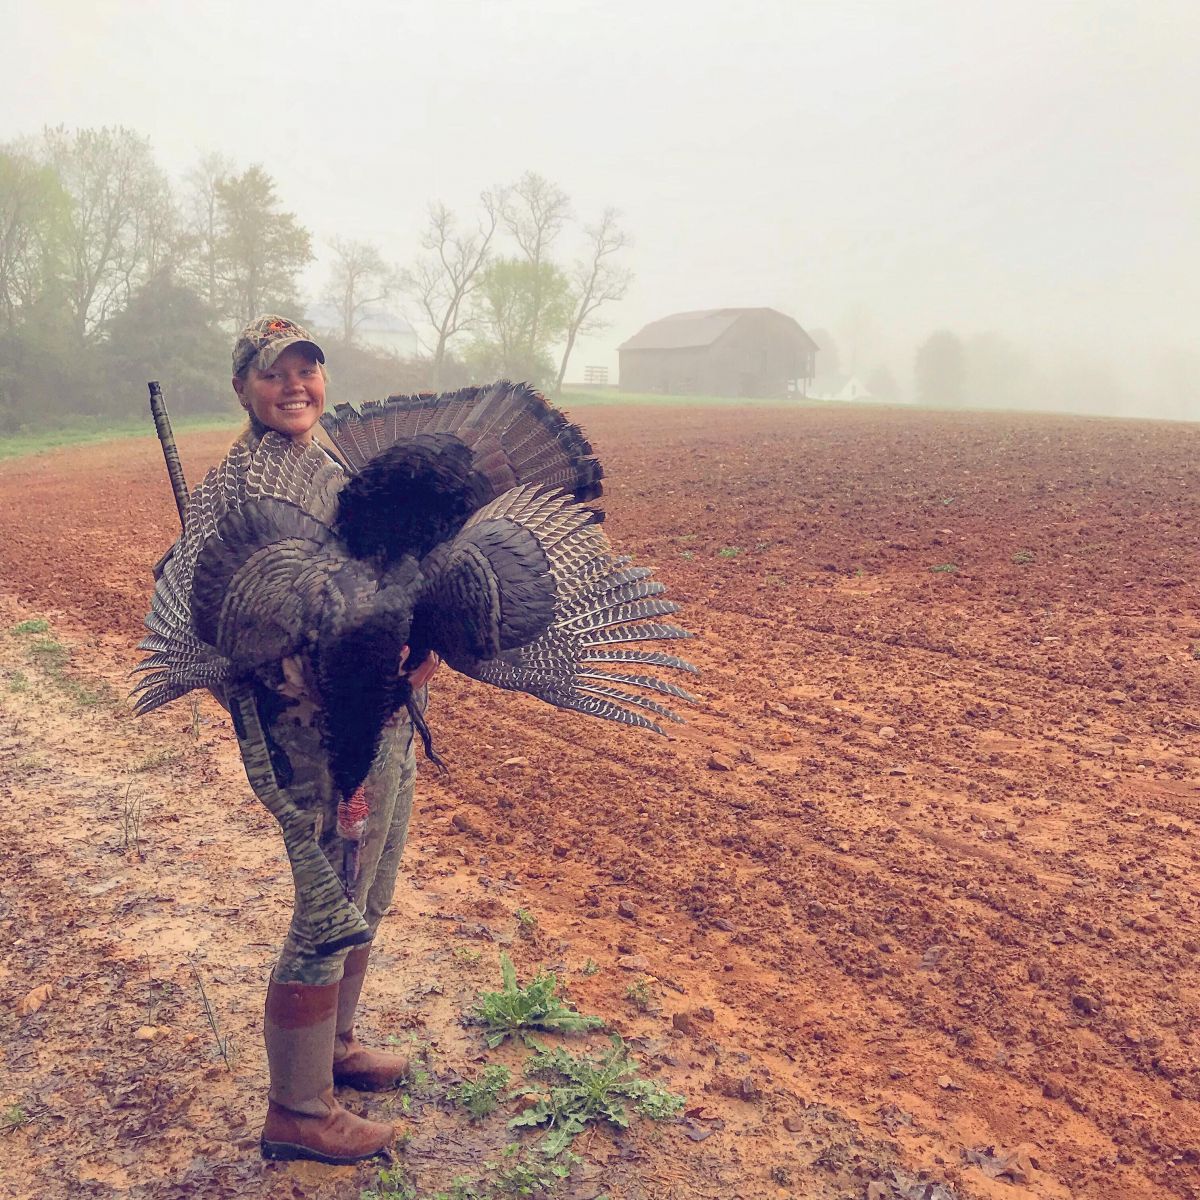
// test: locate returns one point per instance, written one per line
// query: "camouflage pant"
(287, 768)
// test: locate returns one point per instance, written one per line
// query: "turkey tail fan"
(576, 660)
(515, 435)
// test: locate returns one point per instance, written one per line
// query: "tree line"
(111, 274)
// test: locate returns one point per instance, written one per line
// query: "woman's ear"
(239, 386)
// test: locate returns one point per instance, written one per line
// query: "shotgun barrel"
(162, 426)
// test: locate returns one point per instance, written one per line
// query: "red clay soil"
(915, 890)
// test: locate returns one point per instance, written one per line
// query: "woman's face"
(289, 396)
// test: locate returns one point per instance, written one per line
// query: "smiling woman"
(279, 377)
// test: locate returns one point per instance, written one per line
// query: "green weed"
(1023, 557)
(945, 568)
(33, 625)
(87, 697)
(729, 551)
(391, 1185)
(525, 1175)
(154, 760)
(465, 954)
(481, 1096)
(591, 967)
(225, 1042)
(526, 921)
(13, 1117)
(50, 655)
(514, 1010)
(18, 681)
(514, 1174)
(588, 1090)
(639, 995)
(131, 822)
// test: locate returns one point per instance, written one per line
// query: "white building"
(379, 329)
(838, 387)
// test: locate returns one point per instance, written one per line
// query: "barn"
(719, 352)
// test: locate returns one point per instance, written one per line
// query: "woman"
(465, 522)
(279, 377)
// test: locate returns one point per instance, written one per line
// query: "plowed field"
(916, 891)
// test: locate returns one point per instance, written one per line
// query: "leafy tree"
(120, 227)
(359, 279)
(33, 214)
(260, 250)
(443, 279)
(166, 332)
(513, 295)
(596, 280)
(45, 375)
(940, 370)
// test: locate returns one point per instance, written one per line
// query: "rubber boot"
(353, 1064)
(304, 1119)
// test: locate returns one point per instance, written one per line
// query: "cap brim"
(268, 354)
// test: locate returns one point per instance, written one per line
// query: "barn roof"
(689, 329)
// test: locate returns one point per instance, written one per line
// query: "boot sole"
(292, 1151)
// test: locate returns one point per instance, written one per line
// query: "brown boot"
(304, 1119)
(353, 1064)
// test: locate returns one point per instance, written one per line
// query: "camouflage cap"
(264, 340)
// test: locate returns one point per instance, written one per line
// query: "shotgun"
(166, 439)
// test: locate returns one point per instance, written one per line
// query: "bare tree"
(535, 212)
(120, 221)
(596, 280)
(360, 278)
(445, 276)
(203, 225)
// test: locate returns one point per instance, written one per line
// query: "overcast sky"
(1031, 168)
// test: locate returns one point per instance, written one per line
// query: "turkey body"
(463, 524)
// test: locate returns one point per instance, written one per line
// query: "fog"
(1027, 173)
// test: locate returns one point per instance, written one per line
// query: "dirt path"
(926, 854)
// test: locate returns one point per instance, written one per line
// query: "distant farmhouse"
(378, 329)
(719, 352)
(838, 387)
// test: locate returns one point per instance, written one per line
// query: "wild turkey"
(463, 523)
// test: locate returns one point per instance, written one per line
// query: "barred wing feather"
(600, 602)
(177, 659)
